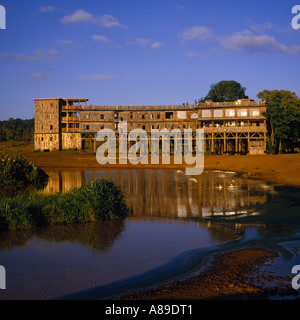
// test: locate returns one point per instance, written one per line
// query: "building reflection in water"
(170, 193)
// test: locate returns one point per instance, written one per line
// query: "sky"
(146, 52)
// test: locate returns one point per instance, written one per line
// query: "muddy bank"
(231, 276)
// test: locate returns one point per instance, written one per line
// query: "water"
(177, 222)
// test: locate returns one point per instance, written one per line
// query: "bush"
(17, 170)
(99, 200)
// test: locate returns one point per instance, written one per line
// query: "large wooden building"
(229, 127)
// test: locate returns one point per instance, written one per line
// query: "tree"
(283, 118)
(225, 91)
(16, 130)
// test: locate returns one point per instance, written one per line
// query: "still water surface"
(177, 222)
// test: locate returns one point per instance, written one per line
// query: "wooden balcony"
(235, 129)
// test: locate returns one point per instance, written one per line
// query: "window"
(143, 127)
(218, 113)
(242, 113)
(116, 115)
(181, 115)
(254, 112)
(87, 127)
(206, 114)
(143, 116)
(169, 115)
(230, 113)
(151, 116)
(101, 116)
(158, 116)
(42, 139)
(116, 126)
(51, 127)
(51, 138)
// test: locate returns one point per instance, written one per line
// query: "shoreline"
(233, 275)
(279, 169)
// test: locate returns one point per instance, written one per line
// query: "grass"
(99, 200)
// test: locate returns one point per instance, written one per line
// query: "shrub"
(99, 200)
(17, 170)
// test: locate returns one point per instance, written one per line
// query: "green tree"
(283, 119)
(16, 130)
(225, 91)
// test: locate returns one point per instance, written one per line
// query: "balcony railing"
(235, 129)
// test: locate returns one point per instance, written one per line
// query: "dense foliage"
(17, 170)
(225, 91)
(99, 200)
(283, 119)
(16, 130)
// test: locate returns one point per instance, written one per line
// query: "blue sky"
(146, 52)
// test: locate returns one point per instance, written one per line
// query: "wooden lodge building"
(229, 127)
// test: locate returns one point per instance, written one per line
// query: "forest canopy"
(17, 130)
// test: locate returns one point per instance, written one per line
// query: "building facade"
(229, 127)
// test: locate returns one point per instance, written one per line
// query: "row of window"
(206, 113)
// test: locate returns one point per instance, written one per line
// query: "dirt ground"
(284, 169)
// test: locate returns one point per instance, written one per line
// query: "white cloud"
(38, 55)
(196, 33)
(260, 28)
(40, 76)
(96, 77)
(248, 42)
(99, 38)
(155, 45)
(109, 21)
(145, 42)
(47, 9)
(244, 41)
(82, 16)
(192, 54)
(65, 42)
(4, 55)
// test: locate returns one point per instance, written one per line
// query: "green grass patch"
(99, 200)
